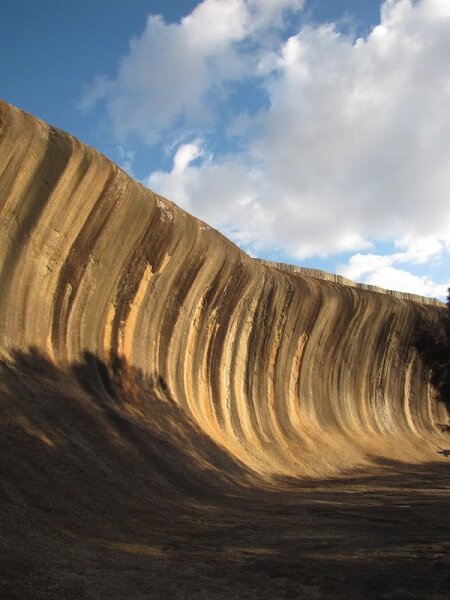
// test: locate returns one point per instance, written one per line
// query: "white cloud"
(380, 270)
(414, 251)
(352, 147)
(185, 155)
(177, 73)
(392, 278)
(223, 194)
(420, 250)
(361, 265)
(361, 130)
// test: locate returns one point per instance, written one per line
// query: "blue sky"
(308, 131)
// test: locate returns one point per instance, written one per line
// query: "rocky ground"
(383, 536)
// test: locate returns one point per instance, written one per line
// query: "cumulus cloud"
(349, 148)
(360, 130)
(384, 271)
(392, 278)
(378, 270)
(209, 190)
(177, 74)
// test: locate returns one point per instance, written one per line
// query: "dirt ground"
(384, 536)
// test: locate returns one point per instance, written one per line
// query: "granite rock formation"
(286, 372)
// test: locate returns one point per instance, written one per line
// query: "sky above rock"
(307, 131)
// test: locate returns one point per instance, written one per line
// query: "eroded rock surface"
(144, 356)
(290, 373)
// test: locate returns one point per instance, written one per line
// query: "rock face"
(287, 373)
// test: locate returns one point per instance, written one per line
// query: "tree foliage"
(432, 341)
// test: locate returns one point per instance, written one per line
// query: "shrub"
(432, 341)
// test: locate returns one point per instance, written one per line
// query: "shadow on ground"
(109, 490)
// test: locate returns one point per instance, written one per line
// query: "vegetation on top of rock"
(432, 340)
